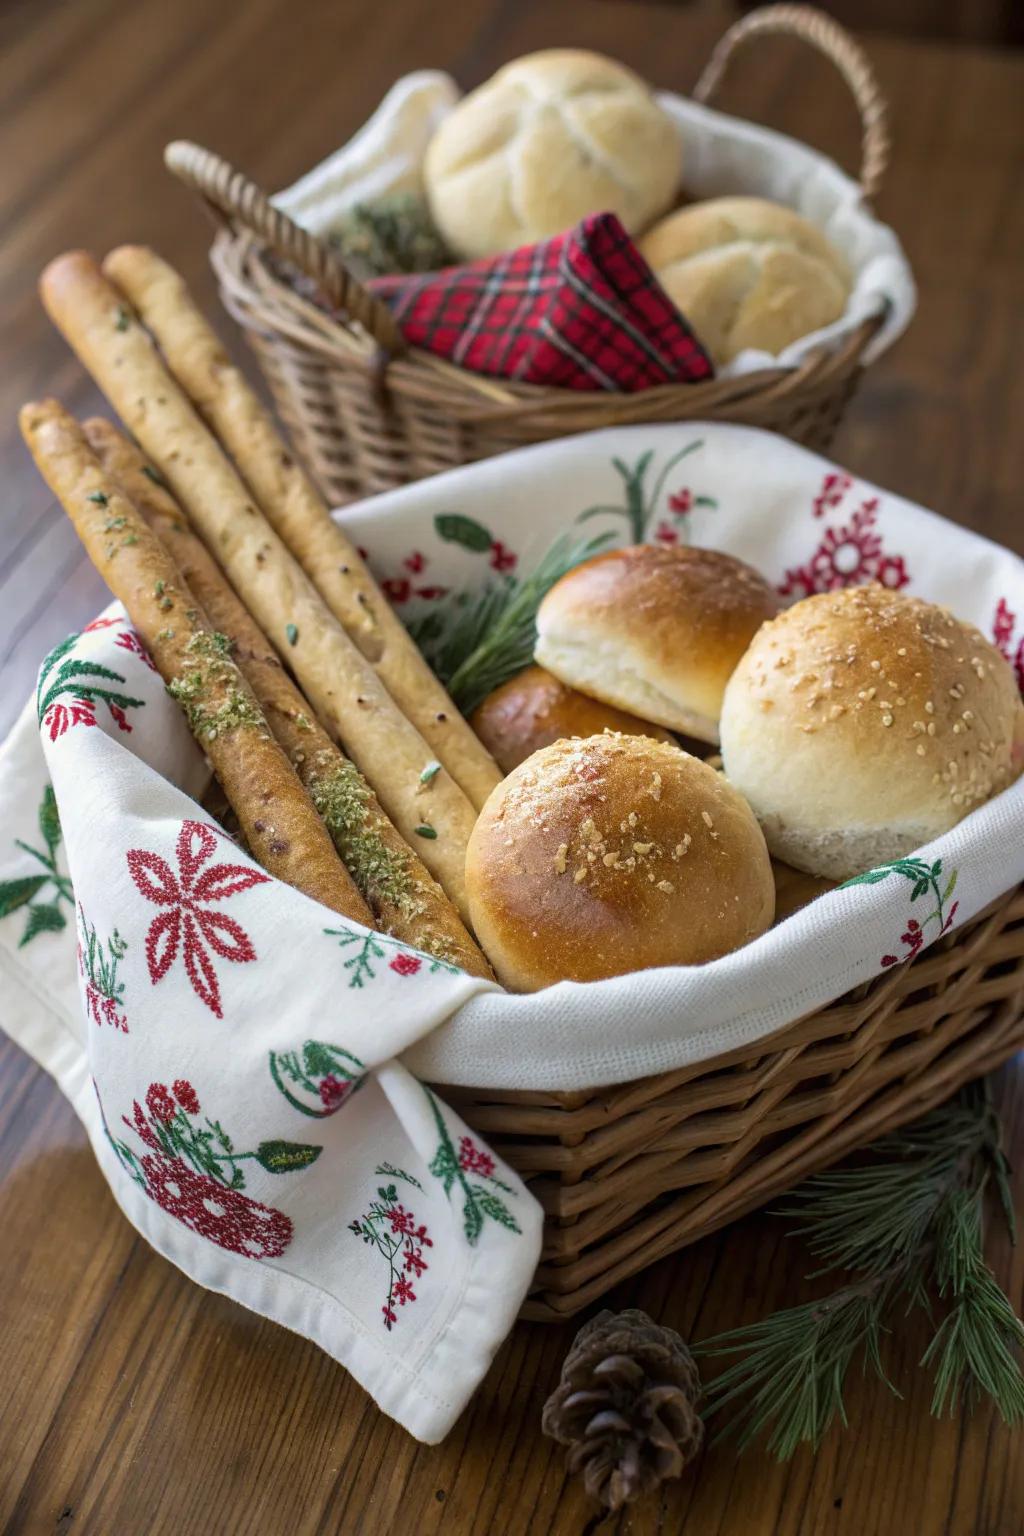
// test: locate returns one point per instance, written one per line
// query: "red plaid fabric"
(580, 311)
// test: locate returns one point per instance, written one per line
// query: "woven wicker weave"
(629, 1174)
(366, 412)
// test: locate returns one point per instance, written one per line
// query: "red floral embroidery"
(681, 502)
(415, 562)
(334, 1092)
(431, 594)
(224, 1216)
(502, 558)
(397, 588)
(833, 488)
(849, 554)
(1004, 628)
(666, 534)
(97, 965)
(159, 1102)
(393, 1231)
(100, 623)
(472, 1159)
(81, 711)
(405, 964)
(186, 1096)
(187, 923)
(128, 640)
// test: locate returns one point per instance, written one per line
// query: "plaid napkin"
(580, 311)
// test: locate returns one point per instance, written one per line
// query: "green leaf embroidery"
(49, 819)
(456, 528)
(285, 1156)
(43, 918)
(15, 893)
(496, 1209)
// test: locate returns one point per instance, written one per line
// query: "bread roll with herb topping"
(612, 854)
(654, 630)
(862, 724)
(534, 709)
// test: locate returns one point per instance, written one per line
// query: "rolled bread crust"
(747, 273)
(297, 511)
(550, 138)
(862, 724)
(612, 854)
(654, 630)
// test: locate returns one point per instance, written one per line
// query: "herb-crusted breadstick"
(404, 899)
(297, 511)
(280, 825)
(341, 685)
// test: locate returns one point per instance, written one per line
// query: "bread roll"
(747, 273)
(548, 139)
(863, 723)
(614, 854)
(654, 630)
(534, 709)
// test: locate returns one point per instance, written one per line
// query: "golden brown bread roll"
(612, 854)
(654, 630)
(747, 273)
(277, 818)
(549, 139)
(534, 709)
(862, 724)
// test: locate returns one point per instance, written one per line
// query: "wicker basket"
(627, 1175)
(366, 412)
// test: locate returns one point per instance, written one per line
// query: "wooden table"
(134, 1402)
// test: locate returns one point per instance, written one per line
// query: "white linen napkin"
(232, 1050)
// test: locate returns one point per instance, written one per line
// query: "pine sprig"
(908, 1224)
(483, 638)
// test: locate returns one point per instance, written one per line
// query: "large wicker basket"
(367, 412)
(629, 1174)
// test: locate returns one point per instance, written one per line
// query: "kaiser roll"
(548, 139)
(654, 629)
(535, 708)
(747, 273)
(863, 723)
(613, 854)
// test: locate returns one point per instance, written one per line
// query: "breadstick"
(277, 818)
(341, 685)
(297, 511)
(404, 899)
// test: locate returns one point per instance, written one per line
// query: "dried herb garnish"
(213, 672)
(153, 474)
(122, 319)
(430, 772)
(426, 830)
(291, 633)
(99, 497)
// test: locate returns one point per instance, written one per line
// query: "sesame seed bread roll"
(534, 709)
(341, 685)
(862, 724)
(280, 825)
(612, 854)
(404, 899)
(297, 511)
(654, 630)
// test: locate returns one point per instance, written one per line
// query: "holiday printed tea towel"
(231, 1045)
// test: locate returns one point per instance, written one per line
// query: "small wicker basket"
(367, 412)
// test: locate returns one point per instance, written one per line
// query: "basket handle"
(821, 32)
(238, 201)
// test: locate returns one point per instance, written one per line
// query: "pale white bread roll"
(550, 138)
(297, 511)
(862, 724)
(654, 629)
(612, 854)
(747, 273)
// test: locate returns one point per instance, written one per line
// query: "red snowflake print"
(1004, 633)
(406, 965)
(128, 640)
(160, 1103)
(187, 923)
(502, 558)
(848, 555)
(473, 1160)
(392, 1230)
(681, 502)
(186, 1096)
(666, 534)
(833, 488)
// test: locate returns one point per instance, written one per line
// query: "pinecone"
(626, 1406)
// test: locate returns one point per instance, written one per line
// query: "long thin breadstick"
(280, 824)
(404, 899)
(297, 511)
(341, 685)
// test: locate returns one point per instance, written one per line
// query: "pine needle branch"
(908, 1223)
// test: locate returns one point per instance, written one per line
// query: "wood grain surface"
(132, 1401)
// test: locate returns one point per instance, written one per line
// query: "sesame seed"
(920, 749)
(580, 875)
(957, 728)
(610, 860)
(666, 886)
(560, 858)
(929, 708)
(876, 666)
(706, 819)
(887, 719)
(681, 848)
(931, 727)
(642, 847)
(902, 651)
